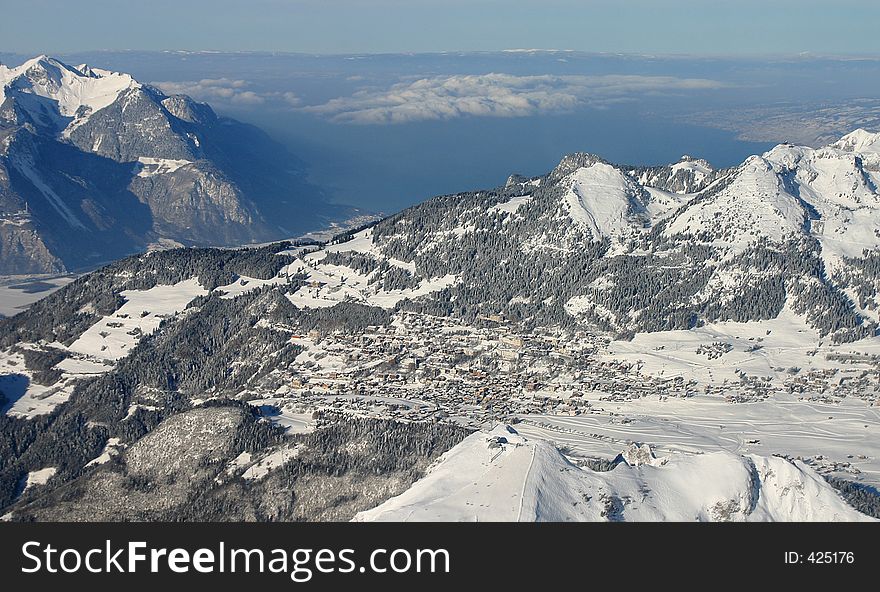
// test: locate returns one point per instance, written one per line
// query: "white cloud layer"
(217, 90)
(495, 95)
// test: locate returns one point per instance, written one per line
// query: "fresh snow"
(602, 199)
(111, 449)
(80, 366)
(27, 398)
(754, 205)
(295, 423)
(471, 481)
(245, 284)
(362, 242)
(843, 199)
(69, 89)
(390, 298)
(329, 285)
(662, 204)
(840, 438)
(700, 168)
(765, 348)
(501, 476)
(114, 336)
(293, 420)
(859, 141)
(512, 205)
(832, 192)
(275, 459)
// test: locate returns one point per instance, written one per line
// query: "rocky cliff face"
(24, 250)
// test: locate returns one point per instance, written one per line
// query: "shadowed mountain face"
(94, 165)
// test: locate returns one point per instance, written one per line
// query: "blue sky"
(702, 27)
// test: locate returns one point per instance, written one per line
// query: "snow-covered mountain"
(630, 249)
(95, 165)
(727, 317)
(500, 476)
(57, 95)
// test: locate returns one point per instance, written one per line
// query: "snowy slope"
(501, 476)
(664, 203)
(114, 336)
(32, 398)
(698, 167)
(331, 284)
(147, 167)
(838, 190)
(76, 92)
(604, 200)
(860, 141)
(754, 204)
(512, 205)
(643, 249)
(830, 193)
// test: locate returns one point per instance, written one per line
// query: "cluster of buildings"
(424, 367)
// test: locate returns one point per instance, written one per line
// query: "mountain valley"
(721, 321)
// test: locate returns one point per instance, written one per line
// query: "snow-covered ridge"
(698, 166)
(859, 141)
(603, 199)
(755, 203)
(830, 192)
(501, 476)
(75, 92)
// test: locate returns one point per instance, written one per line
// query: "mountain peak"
(572, 162)
(42, 60)
(129, 164)
(859, 140)
(38, 68)
(67, 89)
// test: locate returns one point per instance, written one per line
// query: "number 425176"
(821, 557)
